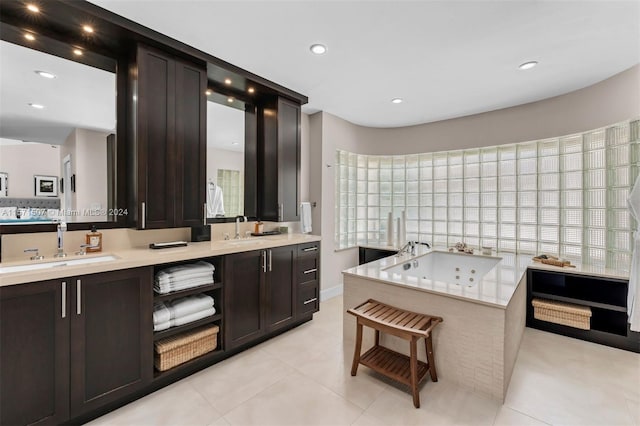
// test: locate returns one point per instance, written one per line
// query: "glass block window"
(564, 196)
(232, 184)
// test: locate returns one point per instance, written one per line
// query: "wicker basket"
(562, 313)
(181, 348)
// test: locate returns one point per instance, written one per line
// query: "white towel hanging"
(633, 301)
(305, 217)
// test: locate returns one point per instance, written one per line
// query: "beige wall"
(610, 101)
(223, 159)
(24, 161)
(91, 174)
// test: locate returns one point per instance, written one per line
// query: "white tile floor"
(302, 378)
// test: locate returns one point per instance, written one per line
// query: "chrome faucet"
(62, 227)
(237, 237)
(410, 248)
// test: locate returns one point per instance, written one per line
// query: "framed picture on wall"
(4, 184)
(46, 186)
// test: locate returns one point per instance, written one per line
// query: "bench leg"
(414, 372)
(356, 353)
(430, 359)
(377, 337)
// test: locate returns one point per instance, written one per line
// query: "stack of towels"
(183, 276)
(182, 311)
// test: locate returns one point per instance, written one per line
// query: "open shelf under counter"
(575, 301)
(182, 328)
(193, 364)
(157, 297)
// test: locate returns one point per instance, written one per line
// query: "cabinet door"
(244, 275)
(280, 162)
(34, 360)
(191, 144)
(111, 337)
(288, 160)
(156, 172)
(281, 295)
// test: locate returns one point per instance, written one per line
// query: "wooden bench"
(407, 325)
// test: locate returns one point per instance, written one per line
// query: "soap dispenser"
(94, 239)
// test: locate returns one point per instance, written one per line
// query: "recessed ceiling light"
(251, 90)
(208, 92)
(528, 65)
(227, 81)
(45, 74)
(318, 49)
(87, 28)
(396, 100)
(36, 106)
(29, 36)
(229, 99)
(33, 8)
(77, 52)
(235, 143)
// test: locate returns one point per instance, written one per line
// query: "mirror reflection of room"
(225, 157)
(57, 123)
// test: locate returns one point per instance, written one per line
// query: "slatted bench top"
(394, 320)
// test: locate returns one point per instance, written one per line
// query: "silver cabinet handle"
(264, 261)
(310, 271)
(204, 214)
(315, 248)
(64, 299)
(144, 215)
(280, 212)
(310, 301)
(270, 260)
(79, 297)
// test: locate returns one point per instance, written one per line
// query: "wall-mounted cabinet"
(70, 346)
(279, 161)
(168, 153)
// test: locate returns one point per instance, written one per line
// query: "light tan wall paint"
(24, 161)
(91, 175)
(610, 101)
(304, 158)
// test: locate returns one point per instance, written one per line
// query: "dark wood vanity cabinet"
(308, 279)
(260, 295)
(34, 353)
(73, 345)
(169, 135)
(279, 159)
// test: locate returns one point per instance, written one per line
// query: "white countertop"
(495, 289)
(144, 256)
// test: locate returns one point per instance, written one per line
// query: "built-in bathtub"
(477, 343)
(456, 268)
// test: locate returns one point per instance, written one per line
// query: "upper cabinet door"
(155, 139)
(280, 162)
(191, 144)
(169, 132)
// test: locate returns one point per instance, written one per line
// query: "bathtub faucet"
(409, 248)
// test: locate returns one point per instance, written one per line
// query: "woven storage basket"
(181, 348)
(562, 313)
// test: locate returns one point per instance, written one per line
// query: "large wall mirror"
(226, 155)
(57, 139)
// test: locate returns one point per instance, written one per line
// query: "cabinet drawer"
(308, 298)
(309, 248)
(307, 269)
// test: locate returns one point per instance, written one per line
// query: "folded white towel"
(305, 217)
(161, 313)
(189, 305)
(193, 317)
(162, 326)
(167, 288)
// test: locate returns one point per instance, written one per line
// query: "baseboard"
(331, 292)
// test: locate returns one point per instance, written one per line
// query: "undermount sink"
(247, 242)
(57, 263)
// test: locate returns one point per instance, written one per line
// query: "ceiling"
(225, 129)
(445, 59)
(79, 97)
